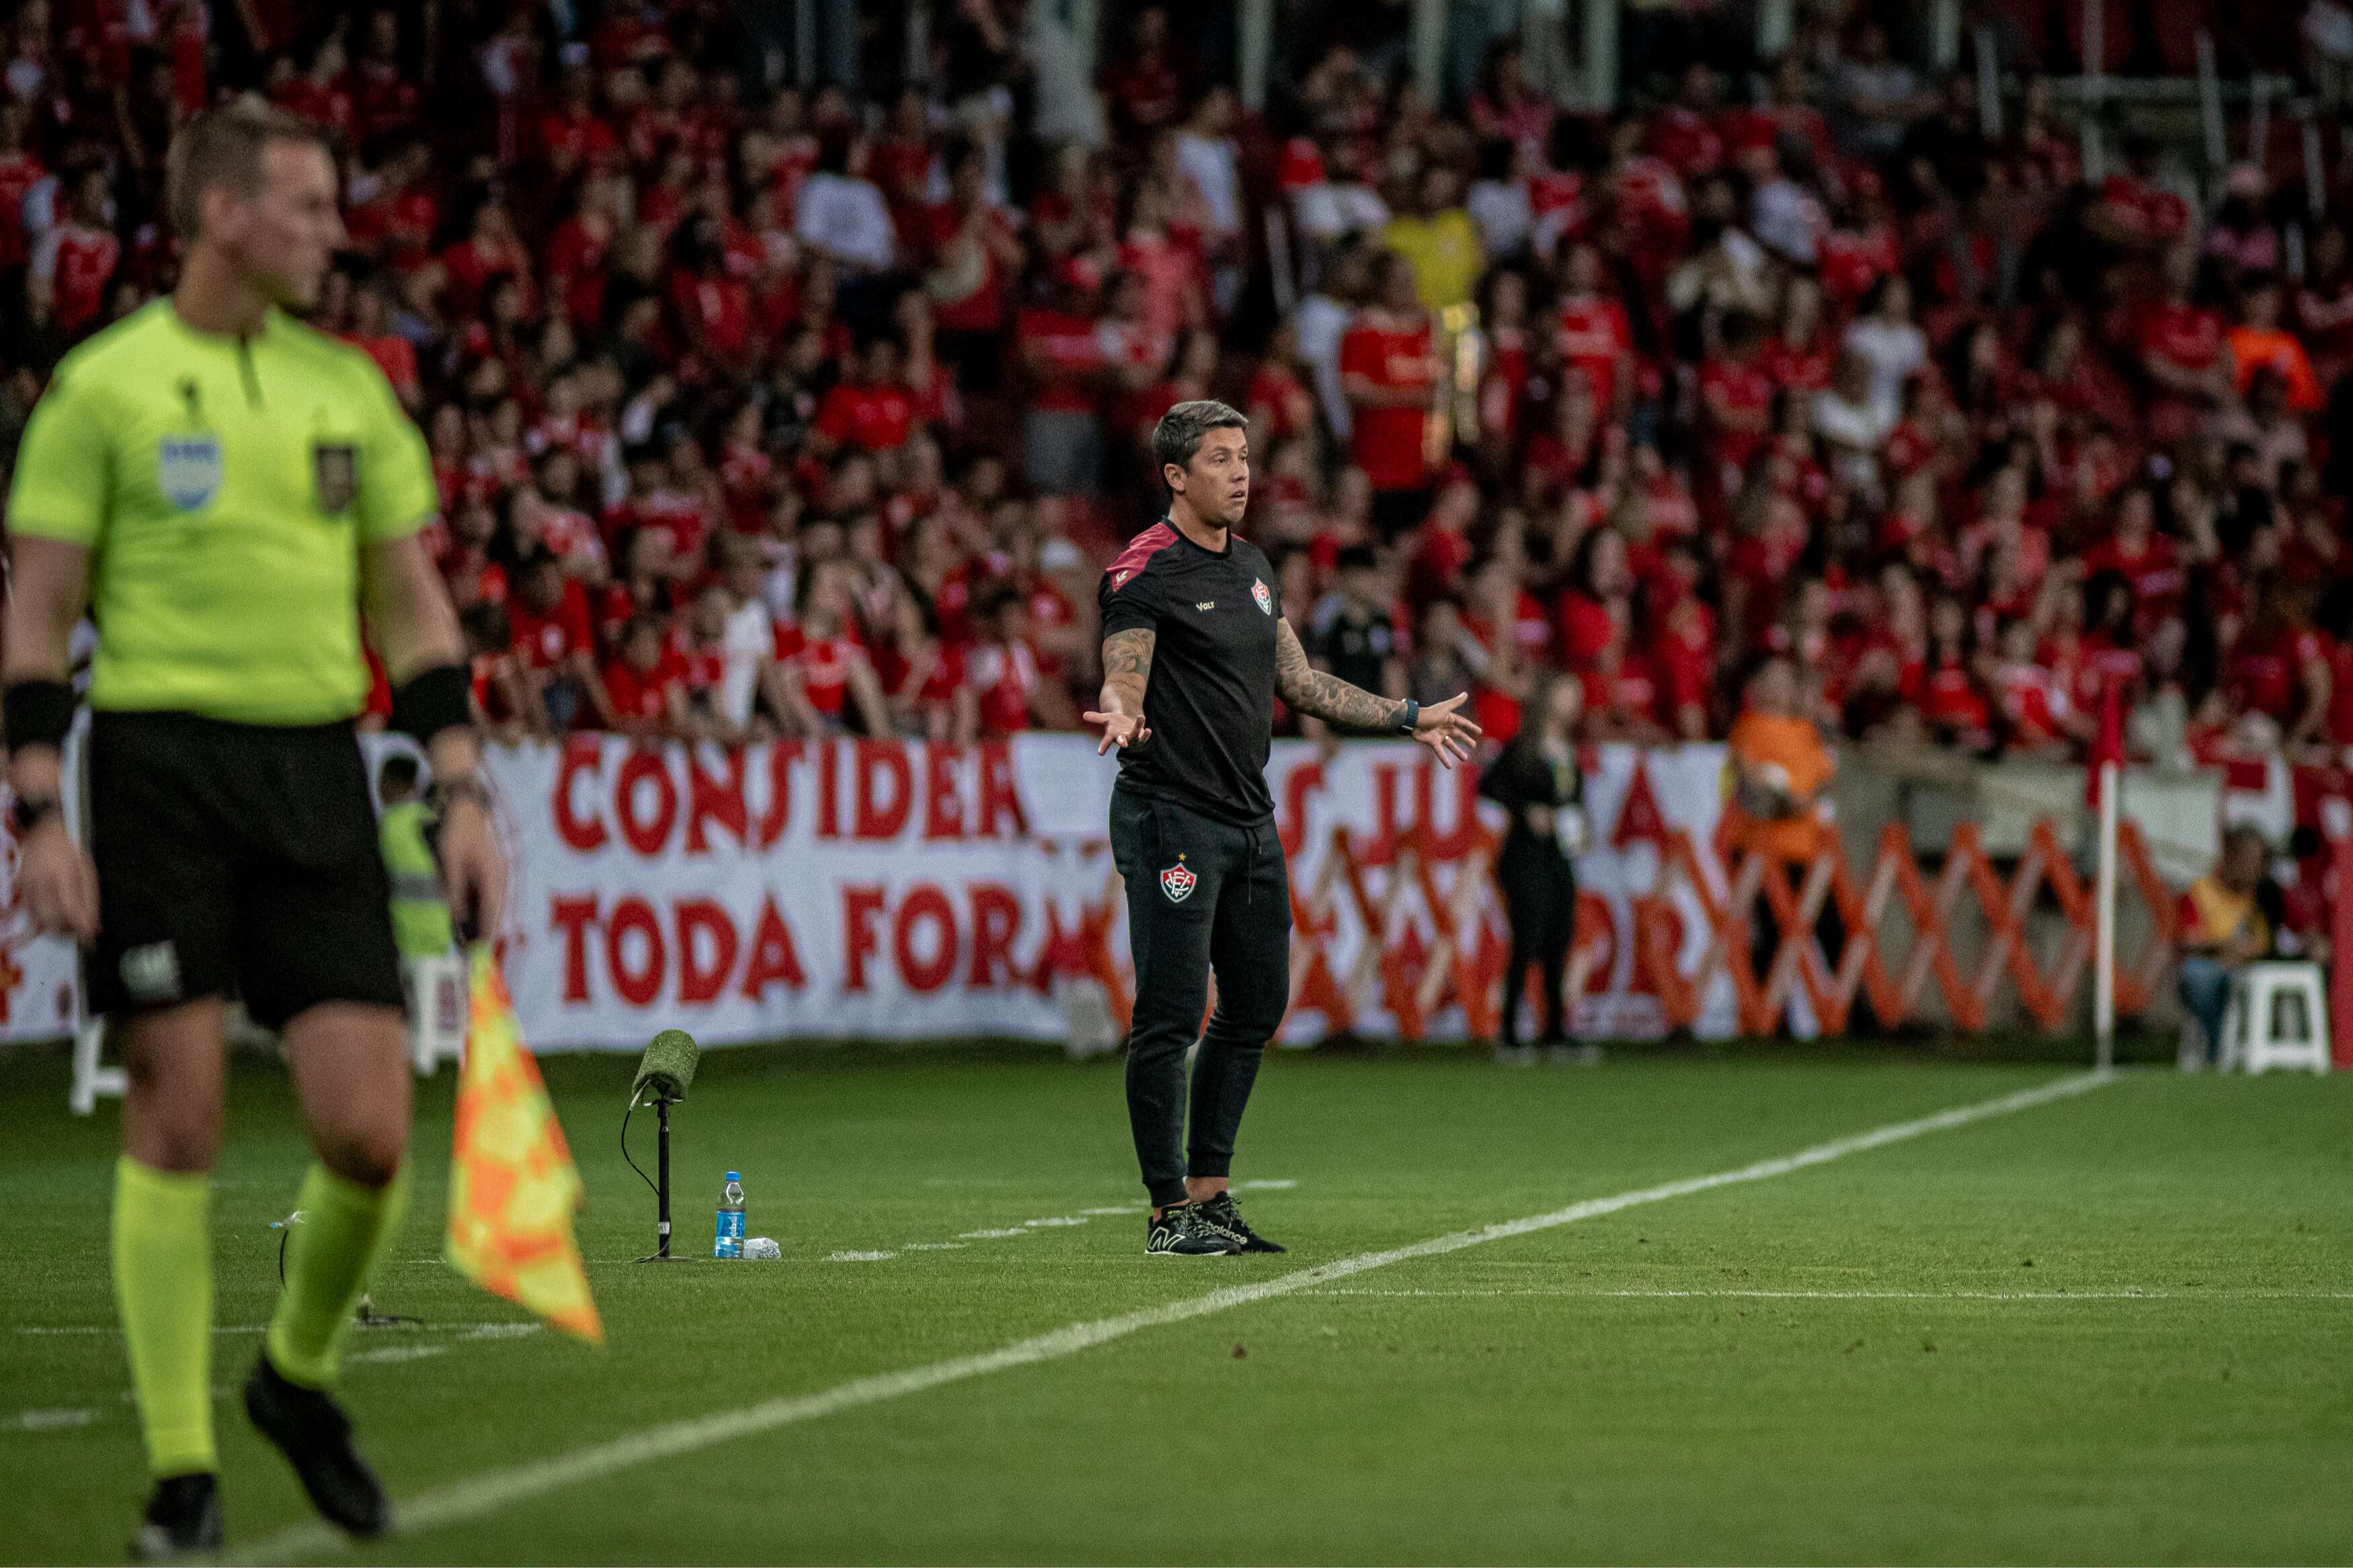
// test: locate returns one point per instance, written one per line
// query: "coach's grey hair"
(1178, 435)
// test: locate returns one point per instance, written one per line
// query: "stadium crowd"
(757, 410)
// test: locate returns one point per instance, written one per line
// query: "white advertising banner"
(902, 890)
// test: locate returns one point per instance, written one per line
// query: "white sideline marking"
(485, 1495)
(858, 1257)
(1054, 1222)
(48, 1420)
(1264, 1184)
(932, 1247)
(1879, 1294)
(991, 1235)
(1117, 1208)
(471, 1331)
(393, 1354)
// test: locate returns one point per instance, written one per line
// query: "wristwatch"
(1408, 717)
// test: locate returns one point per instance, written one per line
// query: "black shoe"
(1219, 1214)
(315, 1435)
(1180, 1231)
(182, 1519)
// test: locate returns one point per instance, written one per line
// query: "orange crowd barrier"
(1427, 945)
(1968, 989)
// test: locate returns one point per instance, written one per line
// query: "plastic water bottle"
(727, 1231)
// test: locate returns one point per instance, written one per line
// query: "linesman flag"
(513, 1185)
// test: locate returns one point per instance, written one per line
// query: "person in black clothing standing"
(1189, 613)
(1537, 781)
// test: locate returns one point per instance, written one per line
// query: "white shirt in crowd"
(846, 218)
(1895, 351)
(1327, 212)
(1500, 208)
(1211, 163)
(1319, 324)
(749, 641)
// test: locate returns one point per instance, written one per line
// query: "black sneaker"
(315, 1435)
(1219, 1214)
(1180, 1231)
(182, 1519)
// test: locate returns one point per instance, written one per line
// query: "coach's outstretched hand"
(1121, 730)
(1444, 731)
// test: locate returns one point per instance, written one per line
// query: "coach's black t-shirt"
(1210, 703)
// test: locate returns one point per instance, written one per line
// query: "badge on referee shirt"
(336, 467)
(188, 469)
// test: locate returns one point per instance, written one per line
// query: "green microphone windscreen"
(667, 1066)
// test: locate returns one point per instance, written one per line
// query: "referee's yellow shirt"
(224, 487)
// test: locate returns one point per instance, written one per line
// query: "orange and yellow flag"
(512, 1185)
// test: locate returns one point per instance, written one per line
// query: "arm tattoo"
(1329, 698)
(1127, 669)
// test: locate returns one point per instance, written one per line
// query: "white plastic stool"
(90, 1080)
(436, 1009)
(2278, 1018)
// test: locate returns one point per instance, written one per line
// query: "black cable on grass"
(641, 1169)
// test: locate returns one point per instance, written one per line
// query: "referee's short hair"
(1178, 435)
(223, 146)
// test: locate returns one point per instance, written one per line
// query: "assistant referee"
(1195, 651)
(230, 495)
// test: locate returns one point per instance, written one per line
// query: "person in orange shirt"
(2258, 343)
(1781, 769)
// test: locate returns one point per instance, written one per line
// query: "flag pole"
(2104, 971)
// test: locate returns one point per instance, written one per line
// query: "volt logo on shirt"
(188, 469)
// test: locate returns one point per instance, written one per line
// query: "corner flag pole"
(2104, 970)
(2107, 780)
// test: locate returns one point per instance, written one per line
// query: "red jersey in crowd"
(543, 641)
(644, 697)
(824, 663)
(1069, 343)
(1387, 443)
(77, 263)
(1595, 340)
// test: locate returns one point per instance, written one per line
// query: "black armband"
(36, 712)
(1408, 717)
(433, 700)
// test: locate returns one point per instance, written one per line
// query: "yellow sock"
(345, 1231)
(163, 1289)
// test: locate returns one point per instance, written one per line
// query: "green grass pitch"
(2112, 1327)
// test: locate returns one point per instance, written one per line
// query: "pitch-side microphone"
(667, 1067)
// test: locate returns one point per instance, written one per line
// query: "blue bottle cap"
(735, 1175)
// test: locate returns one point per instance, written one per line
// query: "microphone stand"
(662, 1253)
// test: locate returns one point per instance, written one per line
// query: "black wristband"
(1408, 717)
(36, 713)
(433, 700)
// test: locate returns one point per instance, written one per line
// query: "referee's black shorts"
(235, 859)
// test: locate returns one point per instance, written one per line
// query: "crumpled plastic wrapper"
(763, 1247)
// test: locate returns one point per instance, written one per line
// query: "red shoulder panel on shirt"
(1140, 550)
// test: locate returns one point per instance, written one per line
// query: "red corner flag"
(2109, 746)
